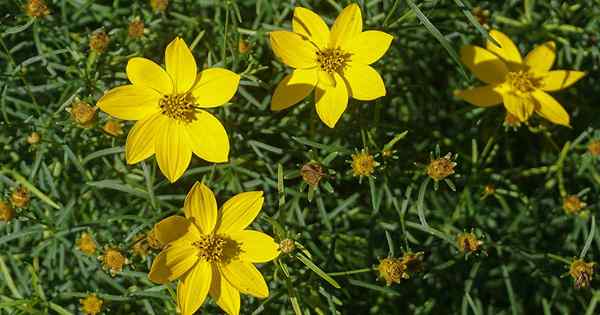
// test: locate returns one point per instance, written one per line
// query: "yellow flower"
(392, 270)
(363, 164)
(336, 62)
(86, 244)
(169, 109)
(91, 305)
(520, 83)
(211, 251)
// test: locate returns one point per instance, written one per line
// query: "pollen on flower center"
(332, 59)
(211, 248)
(179, 106)
(522, 81)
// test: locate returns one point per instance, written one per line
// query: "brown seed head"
(441, 168)
(312, 173)
(135, 29)
(20, 197)
(7, 213)
(287, 246)
(582, 273)
(468, 242)
(91, 305)
(36, 8)
(99, 41)
(83, 114)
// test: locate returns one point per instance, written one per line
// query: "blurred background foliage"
(510, 184)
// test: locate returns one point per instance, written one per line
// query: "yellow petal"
(483, 96)
(507, 50)
(346, 27)
(560, 79)
(293, 88)
(541, 58)
(215, 87)
(486, 66)
(368, 47)
(239, 211)
(245, 277)
(180, 65)
(173, 262)
(325, 78)
(309, 24)
(207, 138)
(224, 294)
(171, 228)
(520, 106)
(145, 72)
(331, 102)
(141, 138)
(200, 207)
(551, 109)
(130, 102)
(192, 290)
(173, 151)
(293, 49)
(255, 246)
(364, 82)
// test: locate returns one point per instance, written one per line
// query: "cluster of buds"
(393, 269)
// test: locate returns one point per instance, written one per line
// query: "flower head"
(7, 213)
(113, 260)
(521, 84)
(573, 205)
(91, 305)
(86, 244)
(441, 168)
(363, 164)
(135, 28)
(83, 114)
(20, 197)
(169, 107)
(582, 273)
(99, 41)
(36, 8)
(212, 252)
(336, 62)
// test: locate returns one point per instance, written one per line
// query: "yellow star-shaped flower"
(520, 83)
(336, 62)
(169, 107)
(212, 252)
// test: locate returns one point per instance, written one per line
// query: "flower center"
(211, 248)
(522, 81)
(332, 59)
(179, 106)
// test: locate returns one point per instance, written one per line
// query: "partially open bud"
(20, 197)
(582, 273)
(86, 244)
(363, 164)
(113, 260)
(83, 114)
(312, 173)
(91, 305)
(99, 41)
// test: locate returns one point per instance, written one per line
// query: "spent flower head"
(83, 114)
(582, 272)
(312, 173)
(392, 270)
(441, 167)
(170, 109)
(91, 305)
(334, 63)
(521, 84)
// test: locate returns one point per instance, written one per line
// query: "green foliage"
(79, 181)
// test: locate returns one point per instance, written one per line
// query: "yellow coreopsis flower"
(169, 109)
(336, 62)
(212, 252)
(520, 83)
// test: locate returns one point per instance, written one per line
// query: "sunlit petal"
(142, 137)
(224, 294)
(541, 58)
(293, 88)
(239, 211)
(560, 79)
(520, 106)
(245, 277)
(173, 262)
(207, 138)
(255, 246)
(309, 24)
(551, 109)
(507, 49)
(364, 82)
(331, 101)
(193, 288)
(486, 66)
(368, 47)
(483, 96)
(145, 72)
(130, 102)
(173, 150)
(293, 49)
(215, 87)
(180, 65)
(200, 207)
(346, 27)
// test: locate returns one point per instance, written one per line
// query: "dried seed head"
(135, 29)
(113, 260)
(86, 244)
(468, 242)
(99, 41)
(441, 168)
(33, 138)
(7, 213)
(36, 8)
(363, 163)
(582, 273)
(159, 5)
(392, 270)
(243, 46)
(573, 205)
(113, 128)
(20, 197)
(91, 305)
(83, 114)
(312, 173)
(594, 147)
(287, 246)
